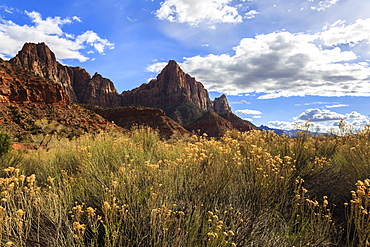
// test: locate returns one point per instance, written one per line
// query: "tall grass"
(135, 189)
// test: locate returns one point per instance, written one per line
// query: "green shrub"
(4, 143)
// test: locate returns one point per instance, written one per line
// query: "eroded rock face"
(221, 105)
(79, 86)
(20, 86)
(101, 92)
(39, 59)
(36, 76)
(171, 87)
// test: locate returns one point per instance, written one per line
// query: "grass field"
(245, 189)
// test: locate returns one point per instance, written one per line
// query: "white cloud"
(336, 106)
(317, 103)
(251, 14)
(361, 122)
(339, 33)
(49, 30)
(256, 117)
(248, 112)
(322, 5)
(322, 121)
(194, 12)
(240, 102)
(282, 125)
(283, 64)
(156, 67)
(322, 115)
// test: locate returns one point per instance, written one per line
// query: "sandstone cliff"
(221, 105)
(101, 92)
(77, 82)
(171, 87)
(32, 106)
(179, 95)
(21, 86)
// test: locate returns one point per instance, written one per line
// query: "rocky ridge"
(211, 124)
(179, 95)
(128, 117)
(171, 87)
(79, 86)
(18, 85)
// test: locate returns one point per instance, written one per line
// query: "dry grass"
(245, 189)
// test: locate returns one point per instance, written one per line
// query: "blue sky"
(279, 62)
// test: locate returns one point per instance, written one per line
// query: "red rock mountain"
(173, 87)
(79, 86)
(182, 98)
(31, 105)
(20, 86)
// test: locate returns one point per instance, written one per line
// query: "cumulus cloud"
(313, 127)
(49, 30)
(194, 12)
(340, 33)
(283, 64)
(248, 112)
(322, 115)
(285, 125)
(322, 120)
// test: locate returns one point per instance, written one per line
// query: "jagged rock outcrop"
(39, 59)
(32, 105)
(79, 78)
(182, 97)
(211, 124)
(78, 84)
(171, 87)
(21, 86)
(127, 117)
(179, 95)
(221, 105)
(101, 92)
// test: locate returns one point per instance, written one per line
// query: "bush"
(4, 143)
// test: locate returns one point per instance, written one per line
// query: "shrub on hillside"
(4, 143)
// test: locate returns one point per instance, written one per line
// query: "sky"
(281, 63)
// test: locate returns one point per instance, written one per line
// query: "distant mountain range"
(174, 103)
(287, 132)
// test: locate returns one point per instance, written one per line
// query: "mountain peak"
(37, 58)
(78, 84)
